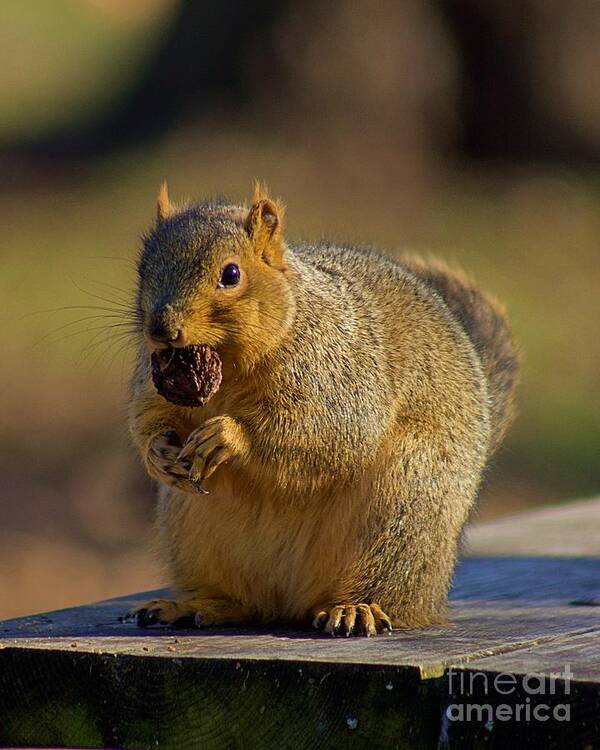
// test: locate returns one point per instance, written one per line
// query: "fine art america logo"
(530, 697)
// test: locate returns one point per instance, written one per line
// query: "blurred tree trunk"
(199, 68)
(529, 79)
(508, 80)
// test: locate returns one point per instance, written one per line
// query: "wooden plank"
(85, 665)
(497, 605)
(570, 529)
(475, 632)
(81, 677)
(570, 706)
(580, 652)
(547, 695)
(527, 580)
(96, 700)
(504, 708)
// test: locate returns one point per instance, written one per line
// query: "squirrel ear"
(264, 225)
(164, 207)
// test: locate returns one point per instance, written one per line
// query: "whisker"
(99, 340)
(60, 339)
(82, 320)
(96, 296)
(126, 292)
(131, 312)
(120, 350)
(132, 263)
(102, 345)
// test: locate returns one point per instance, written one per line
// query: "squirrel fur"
(361, 400)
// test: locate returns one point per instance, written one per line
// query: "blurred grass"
(66, 62)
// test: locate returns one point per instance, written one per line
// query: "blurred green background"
(465, 130)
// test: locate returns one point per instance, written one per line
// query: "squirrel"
(362, 398)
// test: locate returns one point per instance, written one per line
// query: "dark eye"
(230, 275)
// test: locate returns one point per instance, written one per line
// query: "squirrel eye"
(230, 275)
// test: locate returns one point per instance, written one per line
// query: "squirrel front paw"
(162, 463)
(216, 441)
(352, 619)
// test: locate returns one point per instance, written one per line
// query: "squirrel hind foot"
(194, 612)
(352, 619)
(160, 612)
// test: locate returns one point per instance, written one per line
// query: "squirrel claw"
(353, 619)
(163, 463)
(146, 617)
(209, 446)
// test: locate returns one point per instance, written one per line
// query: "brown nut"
(188, 376)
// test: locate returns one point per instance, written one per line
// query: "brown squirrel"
(360, 402)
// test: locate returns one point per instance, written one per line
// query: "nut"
(188, 376)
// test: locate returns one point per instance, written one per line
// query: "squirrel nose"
(164, 333)
(163, 328)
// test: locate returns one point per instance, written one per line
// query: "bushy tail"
(485, 322)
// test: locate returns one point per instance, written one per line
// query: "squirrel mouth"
(187, 376)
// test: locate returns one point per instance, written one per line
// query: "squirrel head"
(213, 273)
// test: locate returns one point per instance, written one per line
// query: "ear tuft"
(164, 207)
(261, 192)
(264, 225)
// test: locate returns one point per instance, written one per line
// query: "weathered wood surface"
(569, 530)
(496, 604)
(81, 677)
